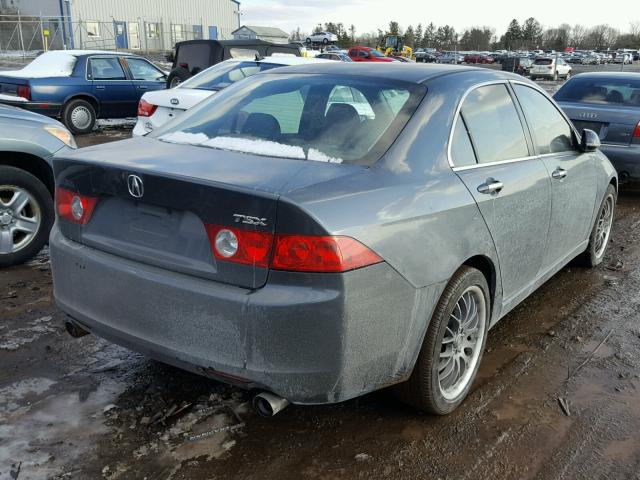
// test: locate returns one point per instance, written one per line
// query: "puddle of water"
(54, 431)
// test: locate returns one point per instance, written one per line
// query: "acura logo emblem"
(136, 187)
(174, 101)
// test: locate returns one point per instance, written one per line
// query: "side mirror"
(590, 140)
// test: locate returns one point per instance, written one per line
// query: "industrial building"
(128, 24)
(268, 34)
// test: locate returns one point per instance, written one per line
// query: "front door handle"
(142, 87)
(100, 87)
(559, 173)
(490, 186)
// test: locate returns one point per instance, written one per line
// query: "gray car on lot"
(609, 104)
(28, 142)
(280, 238)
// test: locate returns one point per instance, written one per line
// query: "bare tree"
(578, 36)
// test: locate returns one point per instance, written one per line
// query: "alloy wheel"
(20, 218)
(603, 229)
(462, 343)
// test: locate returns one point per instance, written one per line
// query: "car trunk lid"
(614, 124)
(178, 98)
(9, 86)
(185, 189)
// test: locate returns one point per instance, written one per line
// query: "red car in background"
(478, 58)
(367, 54)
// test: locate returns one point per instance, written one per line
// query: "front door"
(112, 87)
(120, 34)
(573, 175)
(145, 76)
(491, 155)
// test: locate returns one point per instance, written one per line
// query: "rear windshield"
(601, 90)
(194, 56)
(224, 74)
(543, 61)
(327, 118)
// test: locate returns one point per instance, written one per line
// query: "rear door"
(145, 77)
(573, 174)
(111, 86)
(491, 155)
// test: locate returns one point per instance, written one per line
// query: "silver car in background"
(278, 239)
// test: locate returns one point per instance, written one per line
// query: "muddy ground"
(87, 409)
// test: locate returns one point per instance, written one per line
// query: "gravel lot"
(87, 409)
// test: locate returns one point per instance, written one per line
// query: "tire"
(79, 116)
(308, 41)
(532, 78)
(39, 206)
(594, 254)
(325, 41)
(567, 76)
(177, 76)
(424, 389)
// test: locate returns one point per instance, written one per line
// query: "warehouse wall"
(160, 22)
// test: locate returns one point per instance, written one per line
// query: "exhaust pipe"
(74, 329)
(268, 404)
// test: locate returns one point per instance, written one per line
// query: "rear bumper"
(319, 338)
(625, 159)
(44, 108)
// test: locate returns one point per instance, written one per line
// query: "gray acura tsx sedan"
(318, 232)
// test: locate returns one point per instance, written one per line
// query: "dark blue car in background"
(79, 86)
(609, 104)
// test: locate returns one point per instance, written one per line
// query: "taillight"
(74, 207)
(298, 253)
(636, 132)
(146, 109)
(549, 67)
(240, 246)
(320, 254)
(24, 91)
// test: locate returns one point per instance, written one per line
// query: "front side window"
(494, 124)
(143, 70)
(107, 68)
(308, 117)
(551, 132)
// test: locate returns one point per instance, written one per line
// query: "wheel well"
(33, 164)
(614, 182)
(94, 103)
(487, 268)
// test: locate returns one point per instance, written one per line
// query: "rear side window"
(551, 132)
(107, 68)
(601, 91)
(462, 153)
(494, 124)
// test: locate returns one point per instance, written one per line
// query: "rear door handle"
(490, 186)
(100, 87)
(559, 173)
(142, 87)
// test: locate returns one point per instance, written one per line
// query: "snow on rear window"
(246, 145)
(49, 64)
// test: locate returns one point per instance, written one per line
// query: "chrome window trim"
(455, 123)
(617, 145)
(493, 164)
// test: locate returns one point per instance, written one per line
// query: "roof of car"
(414, 73)
(617, 75)
(78, 53)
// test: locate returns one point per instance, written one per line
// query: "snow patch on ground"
(33, 330)
(49, 64)
(11, 395)
(247, 145)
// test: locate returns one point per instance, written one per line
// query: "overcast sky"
(369, 15)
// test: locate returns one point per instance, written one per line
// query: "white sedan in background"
(322, 37)
(157, 108)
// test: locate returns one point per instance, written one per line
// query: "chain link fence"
(25, 36)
